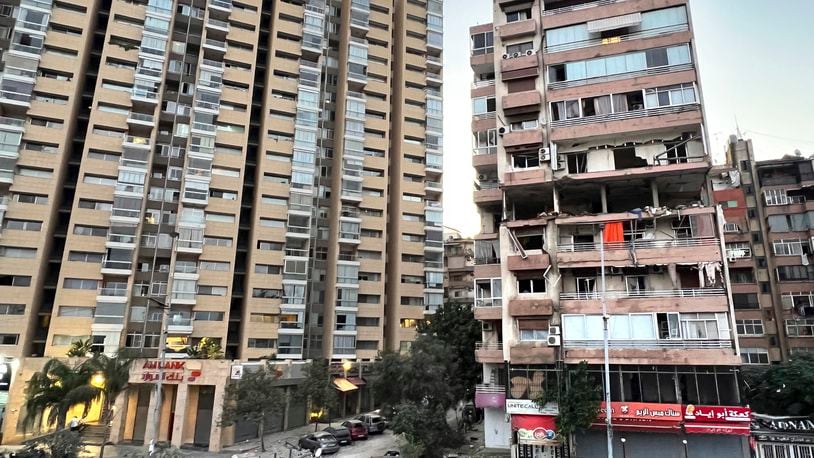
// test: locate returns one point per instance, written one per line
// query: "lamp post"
(624, 452)
(346, 367)
(605, 337)
(684, 442)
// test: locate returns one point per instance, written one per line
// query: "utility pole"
(605, 337)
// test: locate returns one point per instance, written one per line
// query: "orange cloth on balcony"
(614, 232)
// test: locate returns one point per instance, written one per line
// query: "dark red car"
(358, 430)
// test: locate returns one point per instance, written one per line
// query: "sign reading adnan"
(173, 371)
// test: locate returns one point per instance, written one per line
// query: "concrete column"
(150, 432)
(286, 407)
(167, 400)
(215, 439)
(129, 416)
(603, 195)
(654, 191)
(178, 423)
(556, 194)
(121, 410)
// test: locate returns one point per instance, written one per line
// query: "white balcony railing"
(566, 9)
(488, 388)
(633, 114)
(489, 345)
(691, 292)
(649, 344)
(641, 244)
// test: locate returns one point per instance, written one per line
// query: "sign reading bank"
(170, 371)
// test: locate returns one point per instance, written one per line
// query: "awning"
(535, 429)
(358, 381)
(344, 385)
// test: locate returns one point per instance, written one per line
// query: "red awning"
(535, 429)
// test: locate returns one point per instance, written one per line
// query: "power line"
(809, 141)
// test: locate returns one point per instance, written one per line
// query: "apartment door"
(142, 411)
(203, 418)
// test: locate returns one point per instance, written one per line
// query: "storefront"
(640, 428)
(534, 430)
(782, 437)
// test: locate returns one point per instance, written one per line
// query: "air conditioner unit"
(516, 54)
(501, 131)
(529, 52)
(488, 327)
(545, 154)
(554, 341)
(482, 177)
(553, 330)
(506, 56)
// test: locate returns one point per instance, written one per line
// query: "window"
(84, 256)
(17, 252)
(754, 356)
(795, 273)
(800, 328)
(214, 266)
(73, 311)
(482, 43)
(23, 225)
(483, 105)
(620, 63)
(80, 283)
(262, 343)
(9, 339)
(679, 94)
(488, 292)
(12, 309)
(743, 301)
(31, 199)
(532, 330)
(749, 328)
(741, 275)
(520, 48)
(531, 285)
(738, 250)
(519, 15)
(217, 241)
(524, 125)
(35, 172)
(775, 197)
(789, 247)
(485, 142)
(92, 231)
(207, 316)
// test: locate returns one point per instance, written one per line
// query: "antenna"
(738, 128)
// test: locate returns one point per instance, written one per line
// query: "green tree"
(387, 381)
(253, 399)
(455, 326)
(110, 375)
(782, 389)
(79, 349)
(318, 388)
(55, 389)
(206, 349)
(578, 399)
(60, 444)
(425, 429)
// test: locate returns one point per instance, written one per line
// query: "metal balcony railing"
(566, 9)
(690, 292)
(633, 114)
(491, 302)
(628, 37)
(113, 291)
(489, 346)
(641, 244)
(489, 388)
(650, 344)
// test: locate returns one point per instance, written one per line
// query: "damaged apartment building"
(590, 151)
(769, 247)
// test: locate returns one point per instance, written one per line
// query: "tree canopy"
(318, 388)
(578, 399)
(252, 399)
(782, 389)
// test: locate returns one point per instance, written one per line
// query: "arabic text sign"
(717, 414)
(168, 371)
(643, 412)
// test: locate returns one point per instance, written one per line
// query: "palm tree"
(109, 375)
(55, 389)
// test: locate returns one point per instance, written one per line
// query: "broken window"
(676, 152)
(566, 109)
(526, 160)
(577, 162)
(625, 158)
(636, 284)
(586, 286)
(628, 101)
(556, 73)
(531, 285)
(682, 227)
(524, 125)
(530, 239)
(668, 325)
(593, 106)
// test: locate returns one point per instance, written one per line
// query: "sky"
(756, 62)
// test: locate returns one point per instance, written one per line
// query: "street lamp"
(624, 452)
(346, 367)
(605, 337)
(684, 441)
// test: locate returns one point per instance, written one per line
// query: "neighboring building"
(769, 248)
(459, 269)
(262, 167)
(589, 131)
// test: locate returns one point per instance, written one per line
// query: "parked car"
(340, 433)
(358, 430)
(375, 423)
(320, 440)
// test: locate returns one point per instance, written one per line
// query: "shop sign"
(168, 371)
(642, 412)
(237, 372)
(529, 407)
(535, 429)
(799, 430)
(717, 414)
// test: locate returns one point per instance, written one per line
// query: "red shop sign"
(642, 415)
(717, 419)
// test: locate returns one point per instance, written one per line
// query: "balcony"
(532, 261)
(488, 193)
(490, 396)
(12, 124)
(133, 141)
(215, 45)
(112, 294)
(628, 121)
(179, 324)
(140, 119)
(647, 252)
(651, 33)
(648, 352)
(112, 267)
(523, 139)
(489, 352)
(517, 29)
(521, 102)
(433, 186)
(525, 66)
(485, 158)
(223, 5)
(528, 352)
(688, 300)
(488, 310)
(528, 306)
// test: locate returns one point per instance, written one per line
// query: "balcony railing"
(489, 388)
(633, 114)
(620, 76)
(691, 292)
(480, 261)
(113, 291)
(649, 344)
(488, 303)
(566, 9)
(489, 345)
(631, 36)
(641, 244)
(11, 122)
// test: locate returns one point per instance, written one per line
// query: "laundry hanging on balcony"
(614, 232)
(708, 273)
